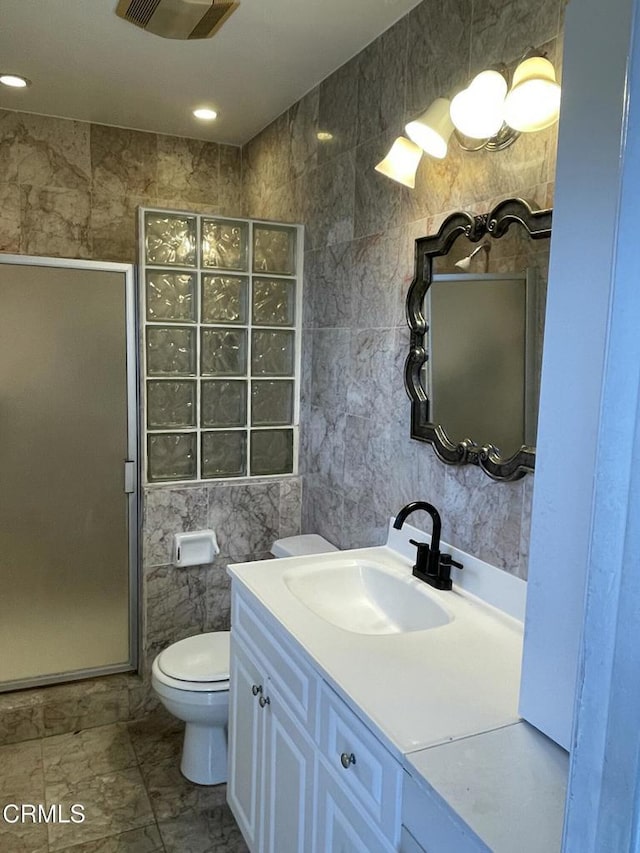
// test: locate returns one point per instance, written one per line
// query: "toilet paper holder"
(195, 548)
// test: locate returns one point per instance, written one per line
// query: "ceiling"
(86, 63)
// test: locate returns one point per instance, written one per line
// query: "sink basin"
(365, 598)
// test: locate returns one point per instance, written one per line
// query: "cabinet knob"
(256, 689)
(347, 760)
(264, 700)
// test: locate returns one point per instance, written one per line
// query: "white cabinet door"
(270, 785)
(288, 786)
(342, 826)
(288, 782)
(246, 723)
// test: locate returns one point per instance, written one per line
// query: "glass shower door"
(67, 428)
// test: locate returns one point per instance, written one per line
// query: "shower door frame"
(131, 465)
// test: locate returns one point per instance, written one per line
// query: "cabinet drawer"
(289, 676)
(342, 826)
(373, 775)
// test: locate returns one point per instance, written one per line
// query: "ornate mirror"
(475, 309)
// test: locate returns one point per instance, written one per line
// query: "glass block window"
(171, 297)
(221, 346)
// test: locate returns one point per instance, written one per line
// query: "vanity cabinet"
(408, 844)
(246, 742)
(354, 765)
(342, 825)
(271, 762)
(429, 825)
(305, 774)
(395, 743)
(270, 754)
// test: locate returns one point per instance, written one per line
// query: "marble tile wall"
(247, 519)
(358, 464)
(71, 189)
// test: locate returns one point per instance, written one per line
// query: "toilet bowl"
(191, 679)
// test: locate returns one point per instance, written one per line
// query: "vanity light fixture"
(464, 264)
(324, 136)
(14, 81)
(401, 163)
(478, 110)
(534, 100)
(205, 113)
(487, 114)
(432, 130)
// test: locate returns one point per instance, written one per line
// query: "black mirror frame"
(493, 224)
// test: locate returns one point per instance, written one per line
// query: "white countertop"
(508, 786)
(415, 689)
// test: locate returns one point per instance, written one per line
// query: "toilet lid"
(204, 657)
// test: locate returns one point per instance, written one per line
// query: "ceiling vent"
(177, 19)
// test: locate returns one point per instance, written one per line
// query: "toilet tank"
(299, 546)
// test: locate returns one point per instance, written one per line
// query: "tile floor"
(126, 775)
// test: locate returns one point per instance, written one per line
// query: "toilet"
(191, 679)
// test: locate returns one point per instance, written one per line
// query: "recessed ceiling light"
(324, 135)
(205, 114)
(15, 81)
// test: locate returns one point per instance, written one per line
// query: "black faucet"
(431, 566)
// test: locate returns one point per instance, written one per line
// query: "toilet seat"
(199, 663)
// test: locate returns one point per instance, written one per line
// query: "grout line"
(139, 764)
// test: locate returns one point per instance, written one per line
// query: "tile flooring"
(126, 775)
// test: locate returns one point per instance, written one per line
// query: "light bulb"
(534, 100)
(401, 163)
(432, 130)
(478, 110)
(205, 114)
(14, 81)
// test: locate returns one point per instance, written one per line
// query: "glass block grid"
(223, 403)
(221, 342)
(170, 239)
(171, 351)
(171, 296)
(224, 299)
(274, 302)
(171, 404)
(271, 403)
(274, 249)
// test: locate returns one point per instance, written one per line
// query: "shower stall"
(68, 470)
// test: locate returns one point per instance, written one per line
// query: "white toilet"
(191, 679)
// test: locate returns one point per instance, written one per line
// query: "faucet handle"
(423, 557)
(423, 547)
(444, 570)
(447, 560)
